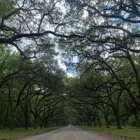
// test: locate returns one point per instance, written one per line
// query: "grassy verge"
(22, 132)
(128, 131)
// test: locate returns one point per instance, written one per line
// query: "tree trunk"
(12, 126)
(99, 121)
(90, 123)
(118, 121)
(116, 113)
(26, 117)
(137, 118)
(26, 121)
(7, 111)
(94, 122)
(107, 122)
(45, 124)
(35, 122)
(19, 124)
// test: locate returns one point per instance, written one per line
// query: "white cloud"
(70, 75)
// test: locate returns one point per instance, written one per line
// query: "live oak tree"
(31, 22)
(119, 15)
(24, 80)
(111, 36)
(109, 89)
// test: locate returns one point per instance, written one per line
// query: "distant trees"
(110, 102)
(28, 88)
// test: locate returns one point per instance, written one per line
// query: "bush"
(131, 121)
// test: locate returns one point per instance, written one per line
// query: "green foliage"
(131, 121)
(128, 132)
(22, 132)
(6, 7)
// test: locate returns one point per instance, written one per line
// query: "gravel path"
(72, 133)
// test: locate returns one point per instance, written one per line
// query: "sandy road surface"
(69, 133)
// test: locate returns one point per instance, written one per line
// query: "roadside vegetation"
(128, 131)
(19, 133)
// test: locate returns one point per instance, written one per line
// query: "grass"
(18, 132)
(128, 131)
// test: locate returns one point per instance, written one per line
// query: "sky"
(71, 72)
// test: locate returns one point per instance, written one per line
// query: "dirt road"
(70, 133)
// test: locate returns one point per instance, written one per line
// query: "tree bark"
(107, 121)
(35, 122)
(137, 118)
(12, 126)
(26, 121)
